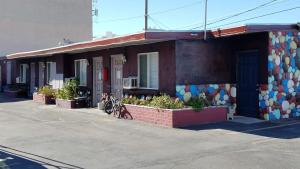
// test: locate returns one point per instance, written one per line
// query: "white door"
(117, 76)
(8, 72)
(41, 74)
(32, 77)
(97, 80)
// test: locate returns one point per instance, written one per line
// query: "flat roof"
(152, 37)
(127, 40)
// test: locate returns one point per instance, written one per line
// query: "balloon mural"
(217, 94)
(280, 98)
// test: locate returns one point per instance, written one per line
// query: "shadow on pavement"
(7, 99)
(284, 129)
(15, 159)
(10, 161)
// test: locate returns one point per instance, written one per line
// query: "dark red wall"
(59, 59)
(166, 64)
(214, 61)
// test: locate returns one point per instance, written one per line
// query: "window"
(81, 71)
(23, 73)
(148, 70)
(50, 72)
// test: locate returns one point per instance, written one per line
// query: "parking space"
(49, 137)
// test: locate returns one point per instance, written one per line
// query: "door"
(117, 76)
(0, 78)
(32, 78)
(97, 80)
(41, 74)
(247, 84)
(8, 72)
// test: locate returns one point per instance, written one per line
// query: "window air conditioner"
(130, 83)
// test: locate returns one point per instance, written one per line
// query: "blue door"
(247, 84)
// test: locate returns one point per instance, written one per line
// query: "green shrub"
(135, 100)
(163, 101)
(166, 102)
(129, 100)
(68, 91)
(198, 103)
(47, 91)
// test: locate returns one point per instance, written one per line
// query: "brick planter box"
(40, 98)
(67, 104)
(177, 118)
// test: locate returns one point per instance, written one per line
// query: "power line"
(234, 15)
(260, 16)
(249, 10)
(158, 23)
(175, 9)
(153, 13)
(122, 19)
(159, 27)
(238, 14)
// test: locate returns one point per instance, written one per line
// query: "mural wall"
(217, 94)
(280, 98)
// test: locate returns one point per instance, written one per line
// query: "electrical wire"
(175, 9)
(260, 16)
(238, 14)
(153, 13)
(158, 23)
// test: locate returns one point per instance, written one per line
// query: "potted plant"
(65, 96)
(44, 95)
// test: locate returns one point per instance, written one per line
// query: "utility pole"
(146, 15)
(205, 20)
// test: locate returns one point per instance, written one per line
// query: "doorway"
(247, 83)
(97, 80)
(8, 72)
(117, 75)
(41, 74)
(32, 78)
(0, 78)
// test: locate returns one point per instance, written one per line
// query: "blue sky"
(124, 17)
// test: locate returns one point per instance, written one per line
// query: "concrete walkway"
(37, 136)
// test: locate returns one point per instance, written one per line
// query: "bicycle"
(114, 105)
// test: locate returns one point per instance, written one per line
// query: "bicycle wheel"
(108, 107)
(117, 112)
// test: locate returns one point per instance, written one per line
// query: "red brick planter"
(177, 118)
(40, 98)
(67, 104)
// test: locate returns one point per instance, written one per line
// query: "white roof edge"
(254, 24)
(77, 43)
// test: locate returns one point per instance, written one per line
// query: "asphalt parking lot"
(38, 136)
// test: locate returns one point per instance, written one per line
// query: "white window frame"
(148, 70)
(75, 68)
(23, 76)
